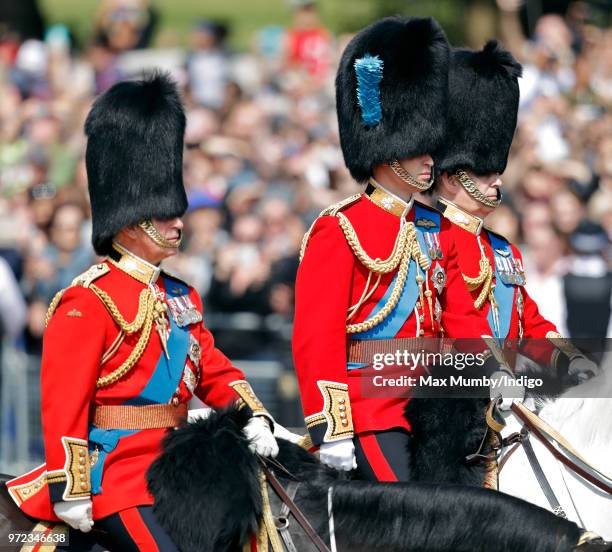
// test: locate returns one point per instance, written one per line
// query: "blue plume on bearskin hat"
(482, 111)
(369, 71)
(391, 90)
(134, 156)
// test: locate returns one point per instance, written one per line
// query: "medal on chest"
(162, 325)
(183, 310)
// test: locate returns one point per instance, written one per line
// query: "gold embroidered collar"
(133, 265)
(387, 200)
(461, 218)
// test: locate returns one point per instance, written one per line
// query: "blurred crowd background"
(262, 159)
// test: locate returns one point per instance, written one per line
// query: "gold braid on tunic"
(405, 249)
(484, 279)
(150, 308)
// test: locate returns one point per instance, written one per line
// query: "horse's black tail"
(422, 516)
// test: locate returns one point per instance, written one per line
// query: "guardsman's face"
(139, 243)
(489, 184)
(171, 230)
(420, 167)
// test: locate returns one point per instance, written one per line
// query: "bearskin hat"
(134, 156)
(483, 97)
(391, 91)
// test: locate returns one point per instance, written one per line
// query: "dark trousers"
(131, 530)
(136, 530)
(383, 455)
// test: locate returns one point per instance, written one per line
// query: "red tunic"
(83, 343)
(330, 280)
(525, 319)
(530, 323)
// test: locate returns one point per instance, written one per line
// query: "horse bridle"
(289, 505)
(543, 432)
(536, 426)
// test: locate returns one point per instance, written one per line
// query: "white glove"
(262, 442)
(582, 368)
(339, 454)
(76, 513)
(281, 432)
(510, 393)
(196, 414)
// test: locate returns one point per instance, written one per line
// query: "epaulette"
(90, 275)
(83, 280)
(332, 210)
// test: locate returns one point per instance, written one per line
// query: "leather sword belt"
(362, 351)
(150, 416)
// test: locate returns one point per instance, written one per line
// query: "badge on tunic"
(184, 311)
(195, 351)
(387, 203)
(503, 252)
(432, 243)
(460, 218)
(189, 379)
(438, 311)
(438, 277)
(519, 303)
(425, 223)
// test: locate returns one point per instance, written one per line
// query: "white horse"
(586, 423)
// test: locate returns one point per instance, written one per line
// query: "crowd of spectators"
(262, 157)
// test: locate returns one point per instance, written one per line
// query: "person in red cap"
(125, 347)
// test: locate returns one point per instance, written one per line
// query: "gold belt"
(151, 416)
(362, 351)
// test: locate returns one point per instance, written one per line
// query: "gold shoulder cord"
(484, 279)
(143, 322)
(405, 249)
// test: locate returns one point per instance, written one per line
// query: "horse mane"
(444, 432)
(207, 463)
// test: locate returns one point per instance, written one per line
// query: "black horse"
(208, 498)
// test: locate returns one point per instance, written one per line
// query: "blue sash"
(392, 324)
(159, 389)
(504, 290)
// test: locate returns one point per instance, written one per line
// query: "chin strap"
(154, 234)
(470, 187)
(406, 177)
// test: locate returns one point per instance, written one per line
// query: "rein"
(544, 432)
